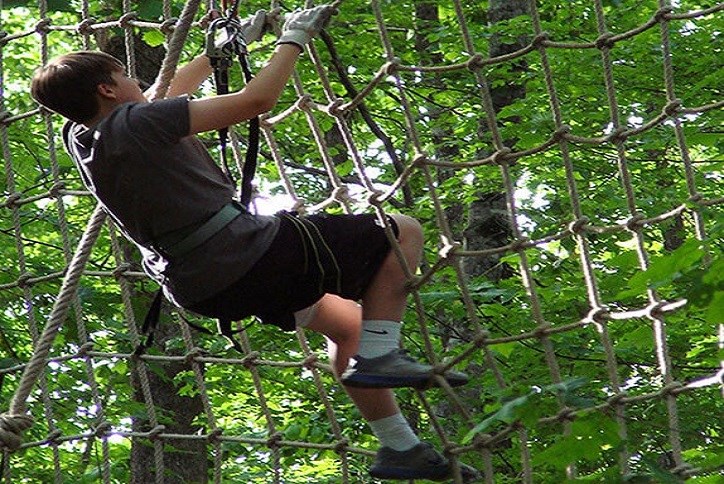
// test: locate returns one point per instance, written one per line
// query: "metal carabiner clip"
(224, 40)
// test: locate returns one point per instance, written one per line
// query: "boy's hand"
(301, 25)
(254, 27)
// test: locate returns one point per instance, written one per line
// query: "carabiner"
(224, 40)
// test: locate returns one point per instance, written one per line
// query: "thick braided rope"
(37, 362)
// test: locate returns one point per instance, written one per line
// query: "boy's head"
(68, 84)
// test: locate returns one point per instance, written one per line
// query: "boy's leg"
(402, 455)
(340, 321)
(379, 361)
(386, 296)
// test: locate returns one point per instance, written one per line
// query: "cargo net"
(563, 160)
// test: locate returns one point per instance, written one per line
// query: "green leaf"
(664, 269)
(154, 38)
(590, 435)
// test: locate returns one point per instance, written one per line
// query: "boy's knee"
(410, 230)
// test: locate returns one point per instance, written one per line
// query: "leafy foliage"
(449, 120)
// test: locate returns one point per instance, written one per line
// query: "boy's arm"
(187, 78)
(259, 96)
(261, 93)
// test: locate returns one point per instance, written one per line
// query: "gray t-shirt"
(153, 179)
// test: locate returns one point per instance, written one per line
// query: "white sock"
(395, 432)
(378, 337)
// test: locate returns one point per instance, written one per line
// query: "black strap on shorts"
(317, 252)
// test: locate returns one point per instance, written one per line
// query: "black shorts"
(309, 257)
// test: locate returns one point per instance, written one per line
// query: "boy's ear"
(106, 90)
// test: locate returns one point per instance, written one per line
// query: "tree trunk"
(185, 461)
(488, 221)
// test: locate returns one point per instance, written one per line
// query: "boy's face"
(126, 89)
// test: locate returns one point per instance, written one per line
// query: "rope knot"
(250, 360)
(635, 222)
(102, 429)
(519, 244)
(168, 26)
(264, 121)
(662, 14)
(4, 114)
(215, 434)
(121, 269)
(86, 26)
(191, 355)
(578, 226)
(310, 360)
(341, 194)
(481, 338)
(84, 349)
(333, 108)
(126, 18)
(419, 160)
(11, 428)
(304, 102)
(604, 41)
(274, 440)
(656, 310)
(618, 135)
(12, 199)
(501, 156)
(672, 388)
(598, 315)
(156, 432)
(567, 413)
(53, 436)
(376, 197)
(540, 39)
(672, 107)
(299, 206)
(56, 188)
(617, 398)
(561, 132)
(24, 279)
(391, 67)
(476, 61)
(541, 330)
(42, 26)
(341, 445)
(449, 248)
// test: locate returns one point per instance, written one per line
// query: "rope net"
(474, 120)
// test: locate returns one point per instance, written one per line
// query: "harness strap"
(179, 248)
(220, 57)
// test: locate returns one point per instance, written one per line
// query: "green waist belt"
(181, 242)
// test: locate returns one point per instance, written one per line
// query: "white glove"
(301, 25)
(254, 27)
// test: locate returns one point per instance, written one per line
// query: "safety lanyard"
(224, 42)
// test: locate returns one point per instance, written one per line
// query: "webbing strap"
(221, 63)
(204, 232)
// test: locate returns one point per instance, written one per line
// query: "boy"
(213, 257)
